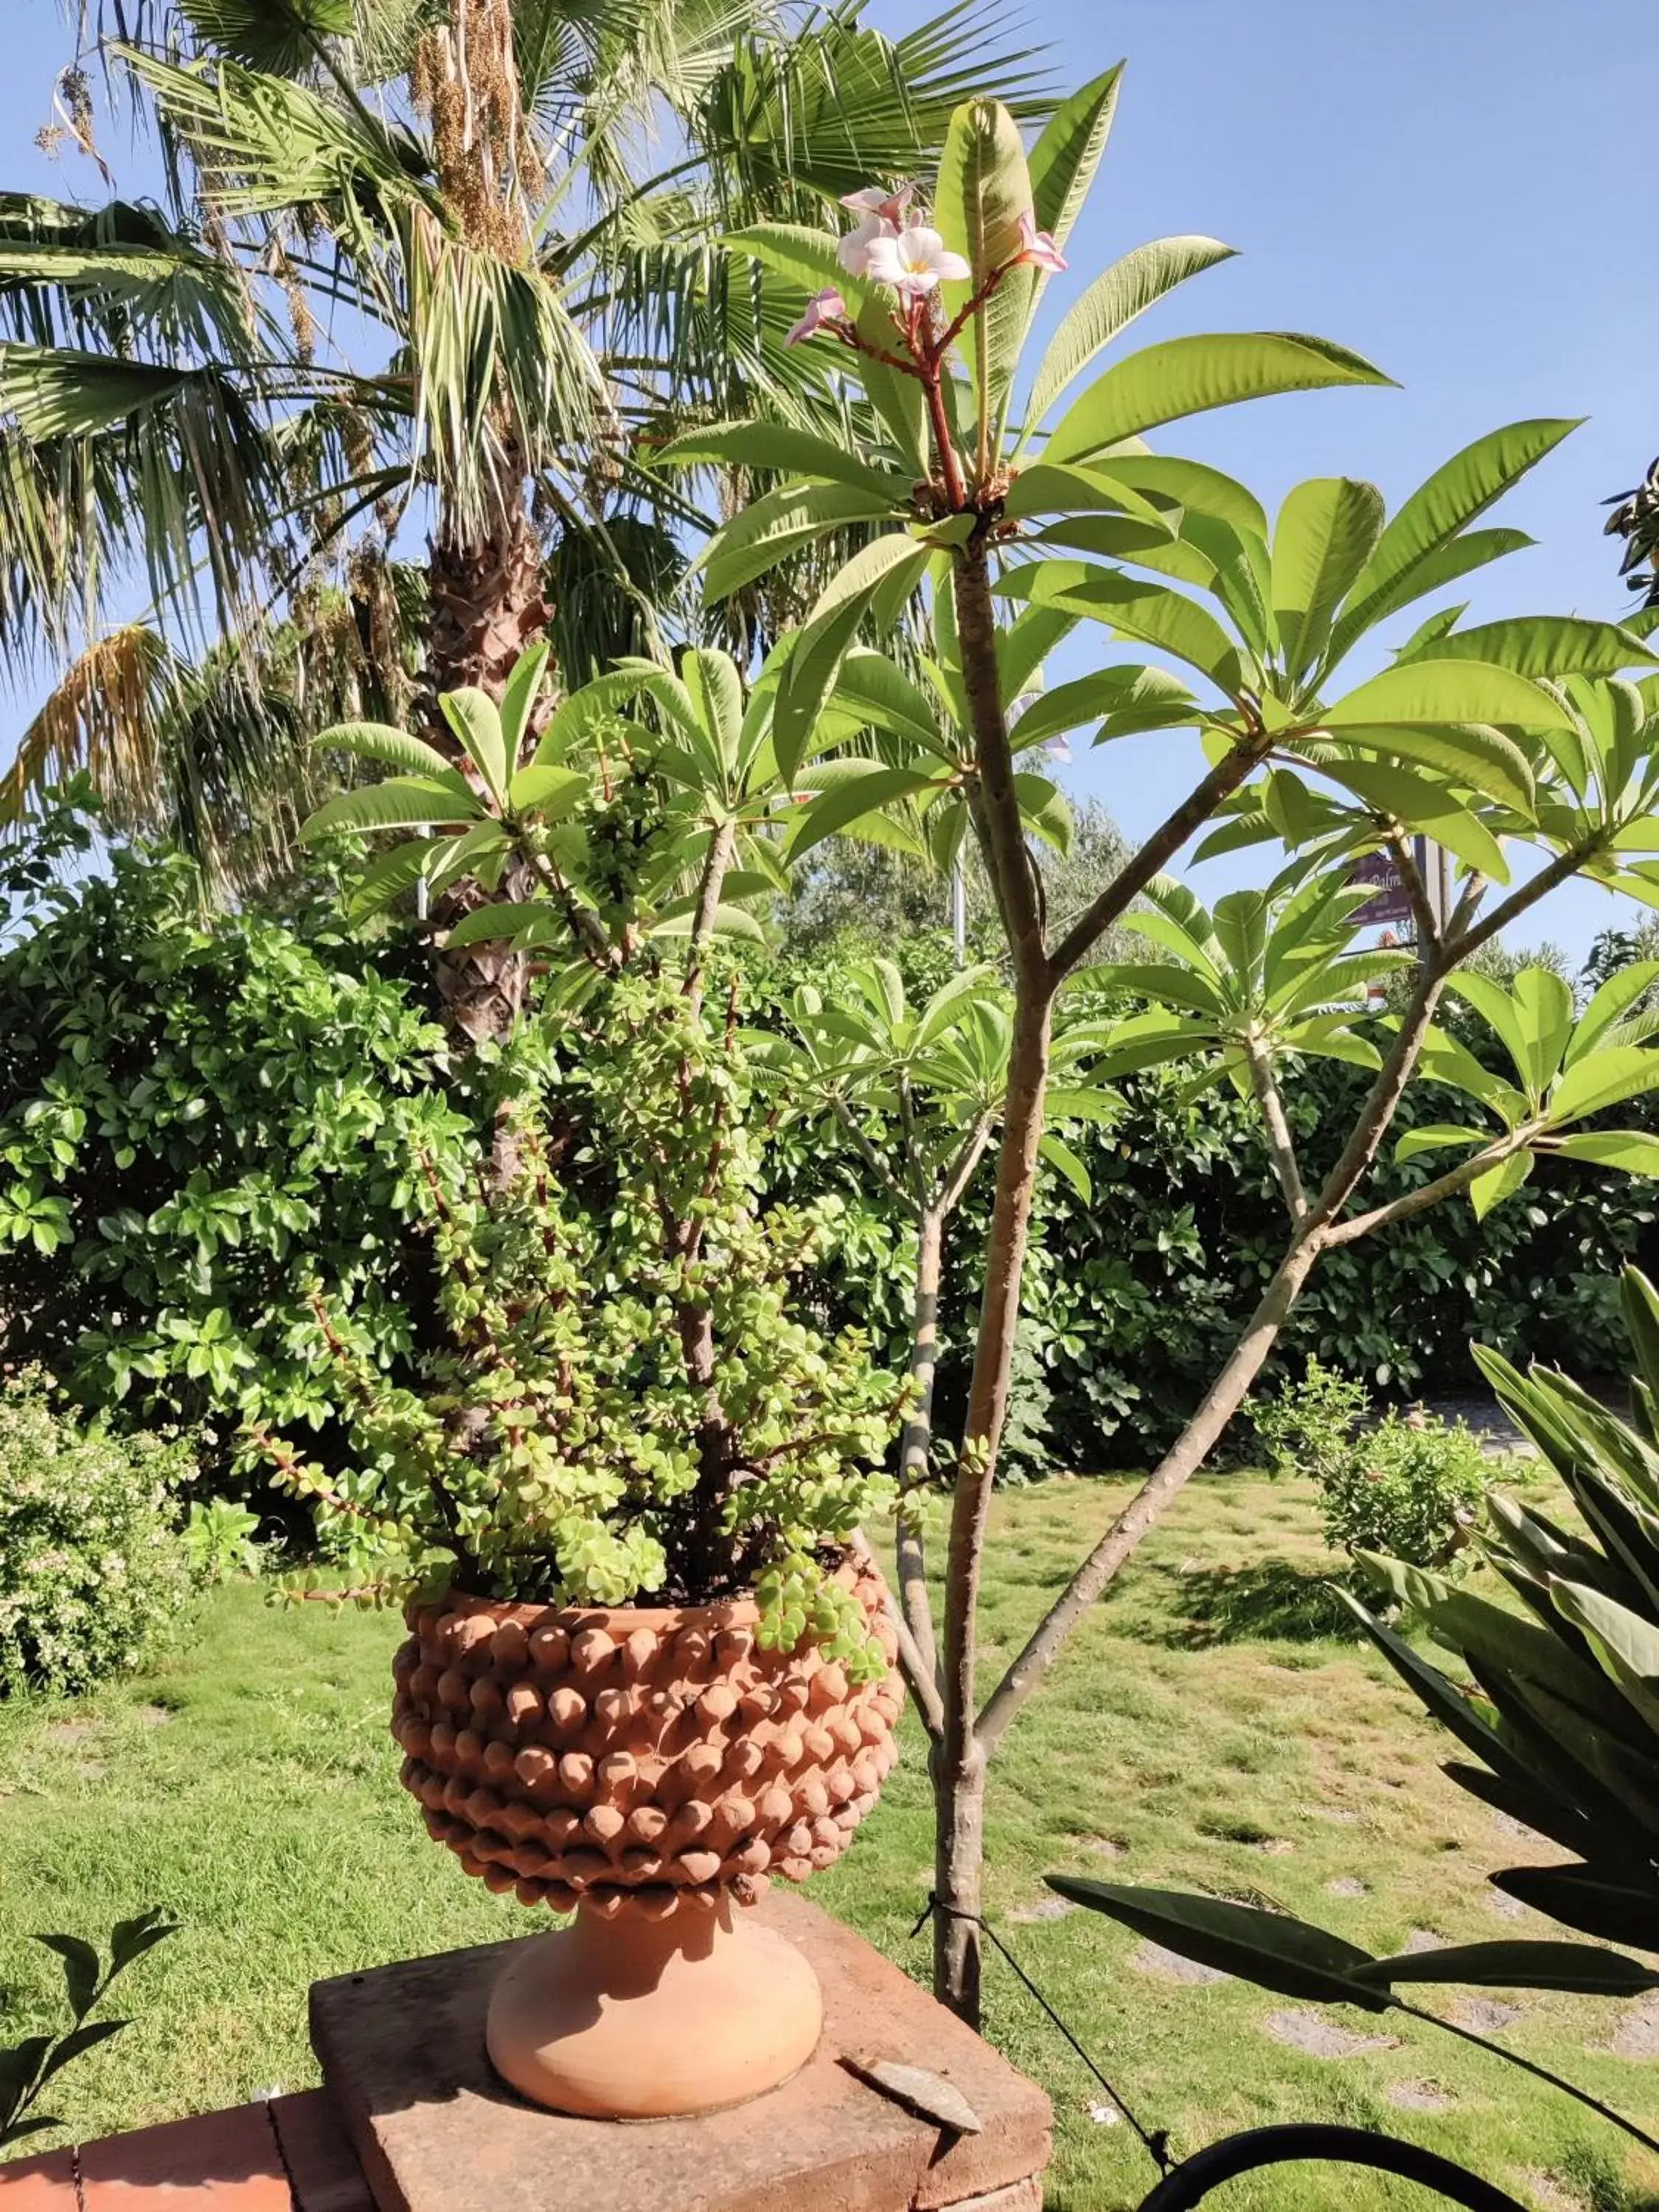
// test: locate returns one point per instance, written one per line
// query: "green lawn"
(1200, 1732)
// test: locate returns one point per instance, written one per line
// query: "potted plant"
(648, 1665)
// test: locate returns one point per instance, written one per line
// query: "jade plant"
(621, 1397)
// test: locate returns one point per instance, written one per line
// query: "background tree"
(412, 275)
(1635, 518)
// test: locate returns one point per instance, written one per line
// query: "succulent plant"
(1565, 1720)
(625, 1400)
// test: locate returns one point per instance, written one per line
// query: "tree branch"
(1280, 1142)
(1165, 841)
(1561, 870)
(1428, 929)
(721, 847)
(915, 1445)
(958, 1762)
(1013, 870)
(873, 1159)
(1387, 1089)
(960, 1171)
(918, 1677)
(1182, 1460)
(1317, 1231)
(1429, 1194)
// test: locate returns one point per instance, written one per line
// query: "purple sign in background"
(1392, 902)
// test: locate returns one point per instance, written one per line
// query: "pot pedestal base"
(405, 2064)
(633, 2019)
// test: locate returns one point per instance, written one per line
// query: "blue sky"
(1459, 189)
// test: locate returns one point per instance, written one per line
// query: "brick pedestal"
(403, 2057)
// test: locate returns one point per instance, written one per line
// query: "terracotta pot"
(652, 1767)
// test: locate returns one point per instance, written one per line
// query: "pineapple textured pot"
(650, 1769)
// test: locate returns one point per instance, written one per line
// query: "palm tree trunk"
(486, 603)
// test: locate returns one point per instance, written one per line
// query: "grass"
(1209, 1727)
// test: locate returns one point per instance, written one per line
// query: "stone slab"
(403, 2056)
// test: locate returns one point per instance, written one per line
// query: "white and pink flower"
(889, 206)
(854, 250)
(883, 213)
(915, 261)
(824, 310)
(1037, 249)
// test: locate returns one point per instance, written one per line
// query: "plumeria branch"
(909, 256)
(1430, 1194)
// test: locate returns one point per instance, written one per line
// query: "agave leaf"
(1290, 1957)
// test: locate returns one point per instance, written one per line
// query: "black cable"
(1194, 2180)
(1157, 2142)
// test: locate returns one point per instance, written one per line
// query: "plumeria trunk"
(916, 1446)
(959, 1780)
(959, 1757)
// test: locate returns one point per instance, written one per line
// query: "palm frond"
(215, 755)
(100, 719)
(175, 458)
(825, 112)
(267, 146)
(281, 36)
(505, 381)
(144, 297)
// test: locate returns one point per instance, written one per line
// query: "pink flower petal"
(1037, 249)
(825, 307)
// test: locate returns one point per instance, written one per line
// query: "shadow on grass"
(1272, 1601)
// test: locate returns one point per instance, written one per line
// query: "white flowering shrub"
(93, 1573)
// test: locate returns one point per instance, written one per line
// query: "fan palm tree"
(427, 269)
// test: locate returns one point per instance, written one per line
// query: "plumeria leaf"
(1111, 303)
(1060, 1156)
(984, 188)
(781, 523)
(1326, 531)
(780, 446)
(1544, 646)
(1189, 376)
(805, 257)
(477, 721)
(399, 803)
(1432, 519)
(1492, 1187)
(1069, 151)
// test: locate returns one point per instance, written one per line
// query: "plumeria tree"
(1025, 501)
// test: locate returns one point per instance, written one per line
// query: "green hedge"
(195, 1116)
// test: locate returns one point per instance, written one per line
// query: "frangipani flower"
(854, 250)
(914, 261)
(1037, 249)
(824, 307)
(872, 200)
